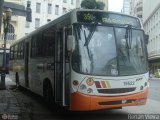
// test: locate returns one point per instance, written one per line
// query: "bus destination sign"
(107, 18)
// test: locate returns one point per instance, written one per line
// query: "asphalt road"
(154, 91)
(34, 108)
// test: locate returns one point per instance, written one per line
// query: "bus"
(85, 60)
(6, 70)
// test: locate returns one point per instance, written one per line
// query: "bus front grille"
(116, 90)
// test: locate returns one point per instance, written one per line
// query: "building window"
(139, 9)
(72, 2)
(37, 22)
(10, 29)
(48, 20)
(64, 10)
(10, 34)
(27, 24)
(49, 8)
(57, 9)
(65, 1)
(38, 7)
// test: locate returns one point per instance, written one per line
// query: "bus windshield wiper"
(87, 39)
(87, 45)
(128, 36)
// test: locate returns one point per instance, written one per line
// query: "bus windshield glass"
(109, 51)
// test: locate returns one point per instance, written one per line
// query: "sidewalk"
(9, 106)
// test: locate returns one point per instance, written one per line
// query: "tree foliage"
(92, 4)
(89, 4)
(100, 5)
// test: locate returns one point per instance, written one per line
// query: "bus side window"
(36, 46)
(48, 42)
(18, 51)
(33, 47)
(22, 50)
(15, 51)
(68, 31)
(12, 53)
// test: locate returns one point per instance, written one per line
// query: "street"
(33, 108)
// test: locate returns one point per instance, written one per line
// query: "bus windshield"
(109, 51)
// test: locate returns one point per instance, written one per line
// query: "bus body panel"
(134, 82)
(39, 72)
(83, 102)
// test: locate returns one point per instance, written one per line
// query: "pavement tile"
(8, 102)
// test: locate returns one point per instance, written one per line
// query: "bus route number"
(128, 83)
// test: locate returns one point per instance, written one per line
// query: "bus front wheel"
(48, 95)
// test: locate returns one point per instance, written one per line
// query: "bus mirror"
(70, 42)
(146, 38)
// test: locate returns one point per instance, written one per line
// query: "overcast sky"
(115, 5)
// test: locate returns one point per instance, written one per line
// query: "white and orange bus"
(85, 60)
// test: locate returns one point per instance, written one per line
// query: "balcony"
(11, 37)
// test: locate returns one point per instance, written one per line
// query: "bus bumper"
(83, 102)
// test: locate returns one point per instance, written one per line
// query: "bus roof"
(62, 18)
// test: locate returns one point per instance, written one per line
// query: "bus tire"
(17, 79)
(48, 95)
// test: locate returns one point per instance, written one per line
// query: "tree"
(92, 4)
(89, 4)
(100, 5)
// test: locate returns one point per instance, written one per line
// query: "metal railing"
(10, 36)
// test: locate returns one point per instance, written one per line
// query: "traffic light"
(28, 12)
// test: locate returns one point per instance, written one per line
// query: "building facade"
(15, 29)
(78, 3)
(136, 8)
(126, 7)
(44, 11)
(151, 19)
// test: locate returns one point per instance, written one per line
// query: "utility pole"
(1, 11)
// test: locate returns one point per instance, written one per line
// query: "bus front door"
(59, 67)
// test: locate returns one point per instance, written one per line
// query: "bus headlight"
(90, 81)
(83, 87)
(141, 88)
(89, 90)
(75, 83)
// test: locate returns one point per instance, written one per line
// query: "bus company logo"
(102, 84)
(4, 117)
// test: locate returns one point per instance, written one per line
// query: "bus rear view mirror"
(70, 42)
